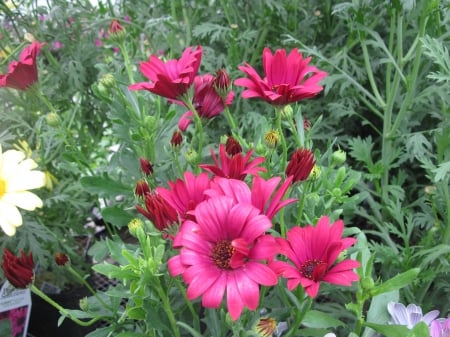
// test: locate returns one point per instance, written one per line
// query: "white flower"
(330, 334)
(16, 178)
(410, 315)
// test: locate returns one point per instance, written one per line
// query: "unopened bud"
(116, 31)
(83, 303)
(52, 119)
(232, 146)
(271, 138)
(134, 225)
(287, 112)
(222, 83)
(338, 157)
(107, 80)
(177, 139)
(192, 157)
(61, 259)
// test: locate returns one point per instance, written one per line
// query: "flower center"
(314, 269)
(2, 187)
(222, 253)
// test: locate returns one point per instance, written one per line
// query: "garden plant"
(247, 168)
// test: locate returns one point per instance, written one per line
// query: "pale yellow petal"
(26, 200)
(26, 181)
(10, 218)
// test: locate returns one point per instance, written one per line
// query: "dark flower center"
(222, 253)
(314, 269)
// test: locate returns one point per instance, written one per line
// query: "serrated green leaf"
(397, 282)
(117, 216)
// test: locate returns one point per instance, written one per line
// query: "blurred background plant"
(379, 133)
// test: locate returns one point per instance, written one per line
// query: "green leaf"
(317, 319)
(397, 282)
(378, 309)
(116, 216)
(390, 330)
(103, 186)
(420, 330)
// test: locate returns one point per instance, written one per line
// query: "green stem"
(126, 60)
(189, 305)
(187, 22)
(373, 85)
(167, 308)
(282, 140)
(198, 124)
(299, 316)
(61, 309)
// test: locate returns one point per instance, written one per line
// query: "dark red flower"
(300, 165)
(61, 259)
(23, 73)
(146, 166)
(142, 188)
(171, 79)
(207, 102)
(288, 79)
(177, 138)
(158, 211)
(222, 83)
(232, 146)
(235, 167)
(18, 270)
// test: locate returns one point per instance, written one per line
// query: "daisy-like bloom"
(265, 195)
(19, 271)
(185, 195)
(158, 211)
(17, 176)
(440, 327)
(23, 73)
(409, 315)
(171, 79)
(207, 102)
(313, 252)
(233, 167)
(225, 251)
(300, 165)
(288, 79)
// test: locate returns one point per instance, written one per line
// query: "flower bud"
(146, 166)
(107, 80)
(367, 283)
(116, 31)
(271, 138)
(83, 304)
(316, 172)
(19, 271)
(192, 157)
(61, 259)
(142, 188)
(135, 225)
(222, 83)
(338, 157)
(177, 139)
(52, 119)
(287, 112)
(265, 327)
(232, 146)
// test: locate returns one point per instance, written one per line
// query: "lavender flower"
(410, 315)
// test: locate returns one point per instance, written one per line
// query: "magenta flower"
(224, 251)
(207, 102)
(313, 252)
(288, 79)
(300, 165)
(264, 194)
(23, 73)
(18, 270)
(185, 195)
(440, 327)
(233, 167)
(171, 79)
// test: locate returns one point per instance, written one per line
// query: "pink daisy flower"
(171, 79)
(265, 195)
(233, 167)
(313, 252)
(289, 78)
(184, 195)
(223, 252)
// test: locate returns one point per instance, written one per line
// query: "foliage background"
(386, 103)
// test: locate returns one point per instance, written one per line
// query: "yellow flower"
(17, 176)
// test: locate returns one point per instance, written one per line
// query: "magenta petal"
(234, 300)
(261, 273)
(201, 283)
(175, 266)
(248, 289)
(212, 297)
